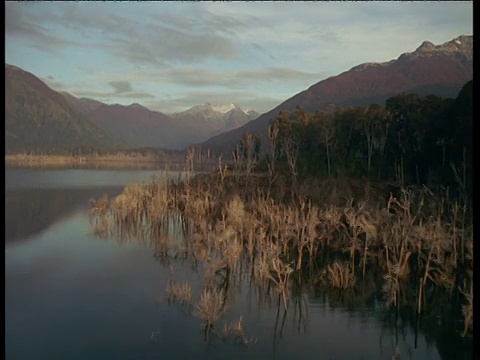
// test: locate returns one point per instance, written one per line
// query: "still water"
(70, 295)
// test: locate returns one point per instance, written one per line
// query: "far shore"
(96, 161)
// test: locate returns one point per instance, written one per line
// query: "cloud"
(144, 39)
(198, 18)
(123, 91)
(175, 55)
(121, 86)
(109, 97)
(320, 32)
(198, 77)
(113, 98)
(185, 87)
(18, 25)
(177, 46)
(280, 74)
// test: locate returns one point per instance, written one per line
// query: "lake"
(71, 295)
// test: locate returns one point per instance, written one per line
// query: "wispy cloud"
(176, 54)
(17, 25)
(112, 97)
(197, 77)
(141, 39)
(123, 91)
(121, 87)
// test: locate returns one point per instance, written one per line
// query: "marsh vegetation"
(279, 227)
(415, 246)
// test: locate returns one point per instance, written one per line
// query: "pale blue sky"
(170, 56)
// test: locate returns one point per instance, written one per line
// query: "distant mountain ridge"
(40, 119)
(207, 120)
(84, 105)
(440, 70)
(37, 118)
(138, 126)
(141, 127)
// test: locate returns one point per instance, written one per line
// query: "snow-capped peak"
(224, 108)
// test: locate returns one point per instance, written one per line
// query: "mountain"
(439, 70)
(40, 119)
(206, 120)
(139, 126)
(216, 118)
(84, 105)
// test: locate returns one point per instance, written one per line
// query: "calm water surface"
(69, 295)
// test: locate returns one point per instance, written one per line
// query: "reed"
(467, 310)
(278, 271)
(181, 291)
(415, 238)
(236, 330)
(341, 275)
(211, 307)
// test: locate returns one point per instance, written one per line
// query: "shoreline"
(96, 162)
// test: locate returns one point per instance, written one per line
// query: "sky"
(171, 56)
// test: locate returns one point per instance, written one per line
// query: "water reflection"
(73, 296)
(35, 199)
(68, 295)
(238, 297)
(29, 212)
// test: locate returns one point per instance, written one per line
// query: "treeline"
(410, 140)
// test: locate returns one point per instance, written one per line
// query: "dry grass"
(340, 275)
(181, 291)
(211, 307)
(467, 310)
(410, 236)
(277, 270)
(236, 331)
